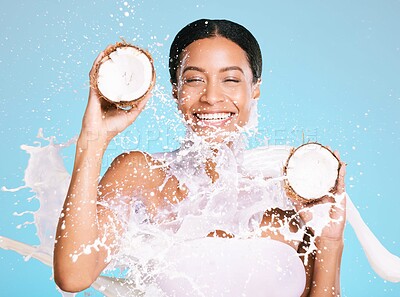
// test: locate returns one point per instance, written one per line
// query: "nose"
(212, 94)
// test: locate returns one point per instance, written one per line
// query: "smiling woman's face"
(215, 86)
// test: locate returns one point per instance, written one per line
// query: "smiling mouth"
(214, 117)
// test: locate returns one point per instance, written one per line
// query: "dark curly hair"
(205, 28)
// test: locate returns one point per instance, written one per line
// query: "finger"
(338, 210)
(142, 103)
(96, 62)
(94, 95)
(305, 213)
(337, 155)
(136, 109)
(102, 55)
(340, 186)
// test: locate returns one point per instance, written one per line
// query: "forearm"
(78, 223)
(326, 273)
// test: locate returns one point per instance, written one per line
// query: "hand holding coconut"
(86, 222)
(315, 183)
(121, 80)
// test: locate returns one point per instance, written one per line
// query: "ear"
(256, 89)
(174, 91)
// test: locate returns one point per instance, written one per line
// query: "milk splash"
(47, 177)
(169, 256)
(156, 259)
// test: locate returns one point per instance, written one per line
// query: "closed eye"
(233, 80)
(193, 80)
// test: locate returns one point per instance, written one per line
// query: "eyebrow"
(232, 68)
(229, 68)
(193, 68)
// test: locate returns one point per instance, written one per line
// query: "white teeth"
(213, 116)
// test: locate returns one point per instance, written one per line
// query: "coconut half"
(311, 171)
(126, 75)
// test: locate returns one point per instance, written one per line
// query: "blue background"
(331, 74)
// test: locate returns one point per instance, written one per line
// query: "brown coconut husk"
(132, 103)
(292, 193)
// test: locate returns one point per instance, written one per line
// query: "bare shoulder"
(142, 176)
(132, 172)
(137, 164)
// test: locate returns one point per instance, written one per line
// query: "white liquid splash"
(149, 250)
(385, 264)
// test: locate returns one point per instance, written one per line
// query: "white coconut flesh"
(312, 171)
(126, 76)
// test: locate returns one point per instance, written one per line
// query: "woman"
(215, 68)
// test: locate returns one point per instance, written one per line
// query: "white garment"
(221, 267)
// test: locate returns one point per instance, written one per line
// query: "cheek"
(184, 102)
(243, 101)
(192, 91)
(183, 97)
(244, 107)
(187, 97)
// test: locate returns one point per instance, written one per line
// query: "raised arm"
(323, 277)
(86, 231)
